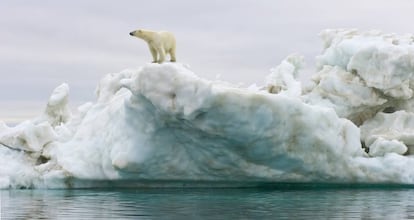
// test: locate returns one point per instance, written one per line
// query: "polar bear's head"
(138, 33)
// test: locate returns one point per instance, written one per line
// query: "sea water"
(297, 202)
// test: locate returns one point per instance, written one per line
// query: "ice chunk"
(346, 93)
(388, 68)
(111, 84)
(283, 78)
(161, 122)
(381, 146)
(398, 126)
(28, 136)
(57, 110)
(384, 62)
(174, 125)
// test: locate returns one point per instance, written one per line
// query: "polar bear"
(160, 43)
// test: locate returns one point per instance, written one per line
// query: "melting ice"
(163, 123)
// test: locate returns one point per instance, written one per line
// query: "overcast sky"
(45, 43)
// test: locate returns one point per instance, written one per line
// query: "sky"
(46, 43)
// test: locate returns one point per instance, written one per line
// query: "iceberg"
(162, 125)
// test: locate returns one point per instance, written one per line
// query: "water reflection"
(208, 204)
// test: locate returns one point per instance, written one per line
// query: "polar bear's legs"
(158, 54)
(154, 54)
(172, 54)
(161, 53)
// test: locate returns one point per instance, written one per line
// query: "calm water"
(274, 203)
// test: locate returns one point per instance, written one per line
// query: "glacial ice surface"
(163, 123)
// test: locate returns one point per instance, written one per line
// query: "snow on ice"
(162, 123)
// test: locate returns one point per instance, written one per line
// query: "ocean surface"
(279, 202)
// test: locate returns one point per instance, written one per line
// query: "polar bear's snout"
(131, 33)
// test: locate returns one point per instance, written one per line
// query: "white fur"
(160, 43)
